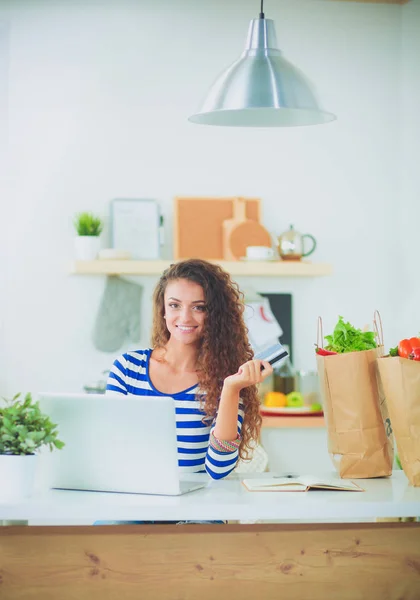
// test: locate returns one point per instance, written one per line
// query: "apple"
(294, 400)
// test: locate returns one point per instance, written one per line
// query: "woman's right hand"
(250, 373)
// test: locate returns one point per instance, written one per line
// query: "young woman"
(201, 357)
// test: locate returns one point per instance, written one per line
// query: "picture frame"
(135, 224)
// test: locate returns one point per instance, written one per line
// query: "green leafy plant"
(87, 224)
(346, 338)
(24, 428)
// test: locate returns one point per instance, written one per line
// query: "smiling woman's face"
(185, 310)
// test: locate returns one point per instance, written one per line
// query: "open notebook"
(299, 484)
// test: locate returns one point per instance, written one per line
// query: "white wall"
(99, 94)
(409, 197)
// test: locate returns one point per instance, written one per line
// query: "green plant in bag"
(24, 428)
(345, 338)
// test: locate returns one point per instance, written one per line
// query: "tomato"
(404, 348)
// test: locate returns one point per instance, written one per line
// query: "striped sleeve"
(117, 379)
(219, 464)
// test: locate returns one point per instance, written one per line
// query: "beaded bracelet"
(223, 445)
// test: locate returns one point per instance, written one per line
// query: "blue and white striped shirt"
(130, 376)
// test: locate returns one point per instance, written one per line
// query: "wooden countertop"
(296, 422)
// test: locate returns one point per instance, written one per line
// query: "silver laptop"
(114, 444)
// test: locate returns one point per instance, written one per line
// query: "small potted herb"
(24, 429)
(88, 227)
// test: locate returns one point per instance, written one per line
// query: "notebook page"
(275, 483)
(312, 481)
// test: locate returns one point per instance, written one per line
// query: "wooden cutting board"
(239, 233)
(230, 225)
(198, 224)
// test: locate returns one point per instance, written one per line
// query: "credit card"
(272, 354)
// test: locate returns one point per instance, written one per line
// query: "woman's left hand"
(250, 373)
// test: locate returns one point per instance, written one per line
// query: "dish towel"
(119, 315)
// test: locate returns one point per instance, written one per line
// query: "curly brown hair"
(224, 346)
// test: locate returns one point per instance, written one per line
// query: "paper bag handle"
(320, 332)
(377, 326)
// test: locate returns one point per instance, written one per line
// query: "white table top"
(225, 499)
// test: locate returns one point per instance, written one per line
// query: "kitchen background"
(96, 96)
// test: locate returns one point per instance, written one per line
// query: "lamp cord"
(262, 10)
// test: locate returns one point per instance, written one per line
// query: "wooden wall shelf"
(247, 269)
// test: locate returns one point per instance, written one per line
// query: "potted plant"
(88, 227)
(24, 429)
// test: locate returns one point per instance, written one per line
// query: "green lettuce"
(346, 338)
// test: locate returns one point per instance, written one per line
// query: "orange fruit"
(275, 399)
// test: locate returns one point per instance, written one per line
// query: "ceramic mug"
(259, 253)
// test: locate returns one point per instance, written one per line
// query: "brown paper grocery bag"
(360, 439)
(401, 382)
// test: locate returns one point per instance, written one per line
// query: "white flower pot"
(17, 476)
(86, 247)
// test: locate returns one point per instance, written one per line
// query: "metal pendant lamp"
(261, 88)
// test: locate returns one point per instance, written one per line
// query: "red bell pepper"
(415, 354)
(406, 347)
